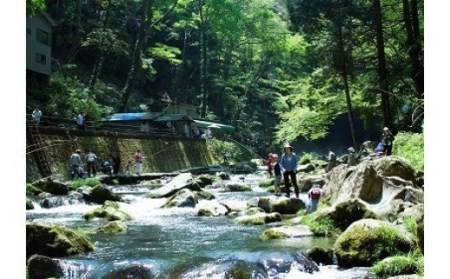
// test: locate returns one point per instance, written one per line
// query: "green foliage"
(399, 265)
(307, 158)
(85, 182)
(411, 224)
(238, 153)
(410, 146)
(35, 5)
(272, 233)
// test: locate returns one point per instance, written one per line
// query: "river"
(176, 243)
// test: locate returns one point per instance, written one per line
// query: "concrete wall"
(162, 155)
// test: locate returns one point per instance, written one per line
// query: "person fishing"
(288, 164)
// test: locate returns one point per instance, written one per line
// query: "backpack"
(315, 193)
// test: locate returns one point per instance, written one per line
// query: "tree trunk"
(344, 74)
(382, 74)
(416, 74)
(417, 44)
(77, 32)
(135, 56)
(102, 54)
(203, 61)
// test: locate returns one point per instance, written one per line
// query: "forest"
(277, 70)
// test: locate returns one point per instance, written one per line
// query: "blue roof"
(130, 116)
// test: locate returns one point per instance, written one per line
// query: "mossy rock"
(223, 176)
(114, 227)
(204, 180)
(266, 183)
(136, 271)
(55, 241)
(182, 198)
(273, 233)
(204, 195)
(52, 186)
(398, 265)
(39, 267)
(320, 255)
(286, 205)
(253, 211)
(110, 211)
(259, 219)
(32, 190)
(368, 241)
(100, 194)
(29, 204)
(214, 209)
(319, 224)
(345, 213)
(237, 188)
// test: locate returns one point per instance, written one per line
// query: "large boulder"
(182, 198)
(110, 211)
(281, 205)
(114, 227)
(55, 241)
(306, 168)
(308, 181)
(135, 271)
(259, 219)
(39, 267)
(54, 187)
(99, 194)
(320, 255)
(181, 181)
(395, 166)
(286, 232)
(214, 208)
(367, 241)
(345, 213)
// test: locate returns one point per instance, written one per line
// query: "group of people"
(106, 166)
(201, 133)
(286, 167)
(80, 119)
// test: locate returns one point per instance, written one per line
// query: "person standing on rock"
(388, 140)
(331, 160)
(288, 165)
(352, 157)
(314, 195)
(36, 115)
(90, 163)
(75, 162)
(138, 158)
(277, 172)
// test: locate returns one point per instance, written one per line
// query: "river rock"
(214, 208)
(308, 181)
(253, 210)
(306, 168)
(345, 213)
(259, 219)
(39, 267)
(99, 194)
(55, 241)
(136, 271)
(223, 175)
(266, 183)
(113, 227)
(54, 187)
(29, 204)
(204, 195)
(281, 205)
(232, 187)
(367, 241)
(182, 198)
(286, 232)
(320, 255)
(203, 180)
(181, 181)
(110, 211)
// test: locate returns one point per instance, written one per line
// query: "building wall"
(34, 47)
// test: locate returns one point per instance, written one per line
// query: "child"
(128, 167)
(277, 172)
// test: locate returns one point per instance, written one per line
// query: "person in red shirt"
(269, 164)
(138, 158)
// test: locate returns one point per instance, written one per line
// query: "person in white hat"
(288, 164)
(388, 140)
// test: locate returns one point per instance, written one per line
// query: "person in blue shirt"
(288, 164)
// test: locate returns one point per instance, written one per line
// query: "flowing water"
(176, 243)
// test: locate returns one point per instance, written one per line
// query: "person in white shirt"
(90, 163)
(36, 115)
